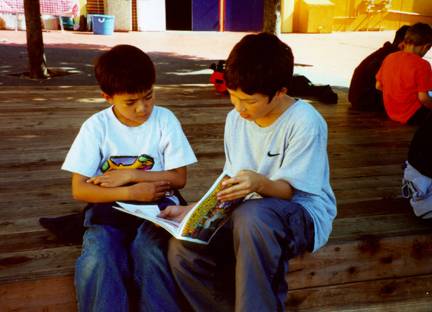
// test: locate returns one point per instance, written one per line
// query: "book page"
(148, 210)
(150, 213)
(200, 223)
(208, 215)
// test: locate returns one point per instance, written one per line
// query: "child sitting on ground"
(405, 78)
(417, 179)
(130, 151)
(276, 150)
(362, 93)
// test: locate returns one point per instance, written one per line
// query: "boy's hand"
(175, 213)
(244, 183)
(113, 178)
(148, 191)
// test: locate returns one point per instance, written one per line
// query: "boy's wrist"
(261, 186)
(129, 193)
(133, 175)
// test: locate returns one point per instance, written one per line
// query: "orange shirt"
(402, 76)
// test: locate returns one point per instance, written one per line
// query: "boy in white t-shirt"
(131, 151)
(276, 150)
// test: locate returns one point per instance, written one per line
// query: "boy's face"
(255, 107)
(132, 109)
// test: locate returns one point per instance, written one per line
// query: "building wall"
(352, 8)
(422, 7)
(352, 15)
(122, 10)
(83, 7)
(319, 15)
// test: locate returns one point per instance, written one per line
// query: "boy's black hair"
(400, 35)
(259, 63)
(125, 69)
(419, 34)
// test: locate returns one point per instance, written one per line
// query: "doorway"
(178, 14)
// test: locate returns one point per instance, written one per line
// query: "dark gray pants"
(244, 266)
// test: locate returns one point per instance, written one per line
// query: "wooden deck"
(378, 257)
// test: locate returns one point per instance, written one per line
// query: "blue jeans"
(124, 269)
(244, 266)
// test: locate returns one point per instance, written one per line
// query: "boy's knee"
(174, 253)
(250, 213)
(89, 265)
(99, 249)
(150, 243)
(182, 255)
(99, 239)
(253, 219)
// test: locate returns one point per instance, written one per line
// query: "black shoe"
(68, 229)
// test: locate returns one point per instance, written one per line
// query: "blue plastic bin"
(103, 24)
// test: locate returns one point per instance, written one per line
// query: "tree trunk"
(35, 46)
(271, 7)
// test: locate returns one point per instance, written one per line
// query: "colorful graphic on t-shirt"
(143, 162)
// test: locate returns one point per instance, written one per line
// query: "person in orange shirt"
(405, 78)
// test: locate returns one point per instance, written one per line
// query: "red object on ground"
(217, 79)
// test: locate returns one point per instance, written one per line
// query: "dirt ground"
(183, 57)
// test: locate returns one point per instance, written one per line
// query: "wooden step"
(347, 274)
(377, 257)
(352, 254)
(380, 294)
(45, 294)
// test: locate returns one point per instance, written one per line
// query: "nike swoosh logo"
(272, 155)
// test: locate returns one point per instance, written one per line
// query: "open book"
(201, 222)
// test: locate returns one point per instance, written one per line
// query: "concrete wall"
(122, 10)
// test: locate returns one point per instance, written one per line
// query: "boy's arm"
(176, 177)
(425, 99)
(246, 182)
(114, 178)
(92, 193)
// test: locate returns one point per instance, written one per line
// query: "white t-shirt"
(294, 149)
(103, 136)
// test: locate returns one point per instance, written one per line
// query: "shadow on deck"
(378, 257)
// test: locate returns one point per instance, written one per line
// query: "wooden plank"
(376, 207)
(34, 264)
(346, 254)
(363, 294)
(353, 220)
(47, 294)
(345, 229)
(366, 259)
(52, 293)
(366, 171)
(417, 305)
(353, 228)
(29, 241)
